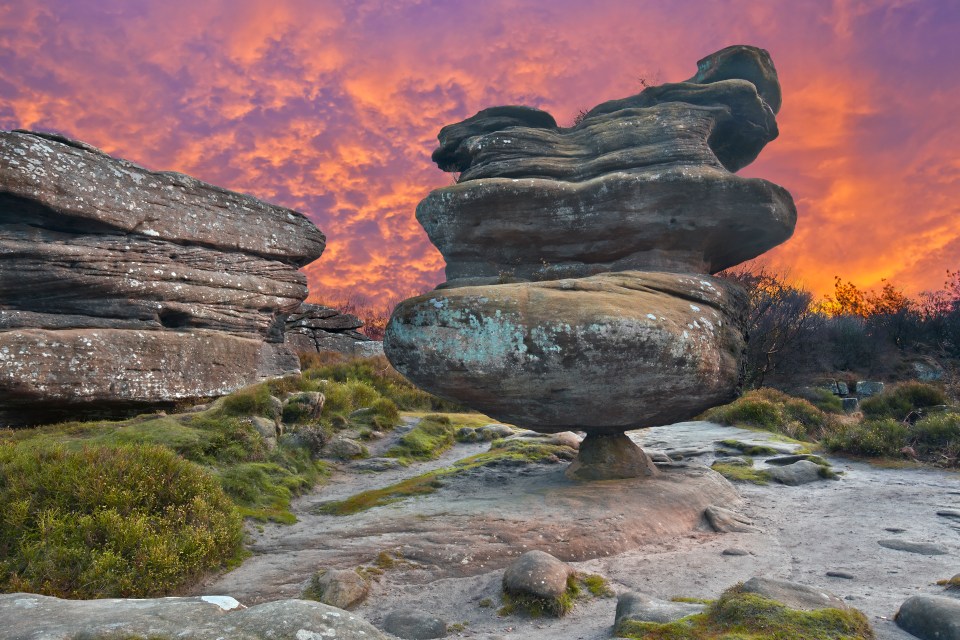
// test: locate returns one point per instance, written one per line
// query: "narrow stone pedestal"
(610, 457)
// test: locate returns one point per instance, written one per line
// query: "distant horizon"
(332, 109)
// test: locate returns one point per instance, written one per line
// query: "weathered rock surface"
(58, 374)
(598, 354)
(33, 617)
(53, 182)
(123, 289)
(643, 608)
(538, 574)
(414, 625)
(796, 473)
(313, 328)
(341, 588)
(578, 294)
(624, 189)
(794, 595)
(910, 546)
(930, 617)
(610, 457)
(727, 521)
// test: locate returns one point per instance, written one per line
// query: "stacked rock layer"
(578, 291)
(126, 288)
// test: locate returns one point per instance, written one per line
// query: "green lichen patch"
(740, 473)
(746, 616)
(596, 585)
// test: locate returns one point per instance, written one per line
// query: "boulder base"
(610, 457)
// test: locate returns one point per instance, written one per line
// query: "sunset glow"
(333, 107)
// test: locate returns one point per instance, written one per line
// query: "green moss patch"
(109, 521)
(578, 586)
(749, 449)
(746, 616)
(431, 436)
(740, 473)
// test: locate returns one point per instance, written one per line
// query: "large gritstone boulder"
(123, 289)
(579, 291)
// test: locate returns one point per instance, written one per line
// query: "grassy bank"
(144, 506)
(907, 421)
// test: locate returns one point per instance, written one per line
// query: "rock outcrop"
(313, 328)
(27, 616)
(578, 291)
(123, 288)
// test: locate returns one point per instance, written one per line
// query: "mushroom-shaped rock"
(579, 293)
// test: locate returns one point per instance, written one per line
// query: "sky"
(332, 108)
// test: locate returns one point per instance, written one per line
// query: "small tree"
(779, 322)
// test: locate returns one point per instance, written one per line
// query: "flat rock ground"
(450, 547)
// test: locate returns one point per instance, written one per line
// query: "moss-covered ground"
(143, 506)
(747, 616)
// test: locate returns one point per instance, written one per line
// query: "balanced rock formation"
(123, 289)
(579, 293)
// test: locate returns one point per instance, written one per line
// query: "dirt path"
(642, 536)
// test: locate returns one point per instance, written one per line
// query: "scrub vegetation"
(144, 506)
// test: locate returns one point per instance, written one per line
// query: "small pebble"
(733, 551)
(895, 530)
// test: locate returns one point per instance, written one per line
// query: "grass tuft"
(899, 401)
(775, 411)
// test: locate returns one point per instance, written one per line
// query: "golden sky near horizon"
(332, 108)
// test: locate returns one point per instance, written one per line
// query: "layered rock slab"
(125, 289)
(605, 354)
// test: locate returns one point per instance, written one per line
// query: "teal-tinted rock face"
(603, 354)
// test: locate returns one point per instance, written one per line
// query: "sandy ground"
(641, 535)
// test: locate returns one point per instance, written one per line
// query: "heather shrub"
(109, 521)
(900, 400)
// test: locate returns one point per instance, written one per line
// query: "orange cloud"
(333, 108)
